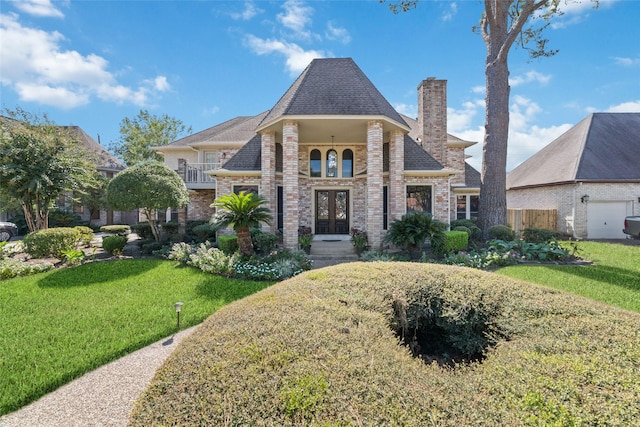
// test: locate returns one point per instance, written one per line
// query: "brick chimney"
(432, 117)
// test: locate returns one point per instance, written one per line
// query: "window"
(246, 188)
(332, 164)
(315, 164)
(347, 163)
(419, 199)
(278, 157)
(385, 207)
(467, 206)
(385, 157)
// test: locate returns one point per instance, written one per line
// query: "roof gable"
(332, 86)
(599, 148)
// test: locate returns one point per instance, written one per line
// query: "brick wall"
(432, 117)
(290, 183)
(268, 179)
(374, 183)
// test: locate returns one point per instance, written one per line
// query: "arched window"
(315, 163)
(347, 163)
(332, 164)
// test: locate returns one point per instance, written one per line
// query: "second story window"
(332, 164)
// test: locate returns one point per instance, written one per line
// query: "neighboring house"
(590, 175)
(333, 154)
(108, 166)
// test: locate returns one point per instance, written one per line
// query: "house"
(333, 154)
(590, 175)
(106, 164)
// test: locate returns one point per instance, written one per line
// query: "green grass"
(59, 325)
(613, 278)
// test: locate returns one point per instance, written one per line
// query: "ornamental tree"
(150, 186)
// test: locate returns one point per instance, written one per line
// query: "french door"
(332, 211)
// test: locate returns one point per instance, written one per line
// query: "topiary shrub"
(150, 247)
(539, 235)
(322, 349)
(228, 244)
(119, 230)
(452, 242)
(475, 233)
(86, 235)
(142, 229)
(114, 244)
(50, 242)
(502, 232)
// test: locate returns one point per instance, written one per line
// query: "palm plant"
(241, 212)
(411, 231)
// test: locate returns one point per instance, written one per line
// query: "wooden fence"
(519, 219)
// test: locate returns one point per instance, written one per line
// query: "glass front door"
(332, 212)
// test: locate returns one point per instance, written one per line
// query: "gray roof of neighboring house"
(104, 159)
(602, 147)
(332, 86)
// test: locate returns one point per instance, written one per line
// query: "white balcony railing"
(196, 173)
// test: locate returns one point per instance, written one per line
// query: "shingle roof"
(602, 147)
(332, 86)
(104, 159)
(417, 159)
(471, 176)
(248, 158)
(237, 130)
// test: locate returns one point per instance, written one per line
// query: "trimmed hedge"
(119, 230)
(51, 242)
(86, 235)
(322, 349)
(114, 244)
(453, 241)
(502, 232)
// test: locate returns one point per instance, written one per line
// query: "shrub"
(86, 235)
(119, 230)
(411, 231)
(539, 235)
(10, 268)
(114, 244)
(263, 242)
(452, 242)
(204, 232)
(180, 252)
(149, 247)
(475, 233)
(142, 229)
(213, 260)
(502, 232)
(228, 244)
(322, 349)
(50, 242)
(62, 218)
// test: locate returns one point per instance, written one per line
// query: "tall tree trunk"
(493, 207)
(244, 241)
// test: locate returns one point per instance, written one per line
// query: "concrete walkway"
(103, 397)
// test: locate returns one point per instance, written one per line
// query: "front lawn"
(614, 277)
(58, 325)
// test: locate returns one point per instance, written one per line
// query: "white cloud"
(337, 33)
(450, 12)
(528, 77)
(296, 17)
(33, 63)
(576, 11)
(626, 62)
(250, 10)
(626, 107)
(42, 8)
(296, 57)
(407, 109)
(211, 111)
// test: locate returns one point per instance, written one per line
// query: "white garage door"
(605, 220)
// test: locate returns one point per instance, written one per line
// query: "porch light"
(178, 307)
(585, 198)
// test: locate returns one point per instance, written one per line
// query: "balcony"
(196, 177)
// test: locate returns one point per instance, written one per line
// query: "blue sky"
(93, 63)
